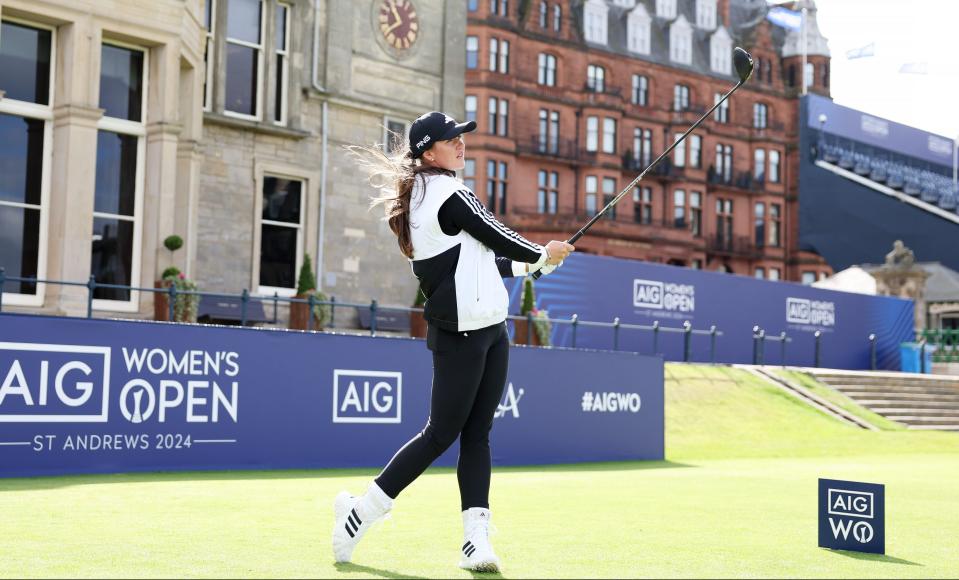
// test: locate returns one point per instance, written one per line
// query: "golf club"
(743, 63)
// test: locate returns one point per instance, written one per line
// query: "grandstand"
(868, 181)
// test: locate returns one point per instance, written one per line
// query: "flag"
(785, 18)
(863, 51)
(916, 68)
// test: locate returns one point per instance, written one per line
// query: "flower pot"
(161, 301)
(417, 324)
(521, 334)
(300, 315)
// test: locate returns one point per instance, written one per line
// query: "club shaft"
(582, 231)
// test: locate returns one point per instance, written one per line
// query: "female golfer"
(459, 253)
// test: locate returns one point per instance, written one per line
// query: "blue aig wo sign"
(852, 516)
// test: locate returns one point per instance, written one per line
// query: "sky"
(904, 31)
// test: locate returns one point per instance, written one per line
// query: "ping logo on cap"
(422, 142)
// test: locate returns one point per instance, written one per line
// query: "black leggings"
(469, 374)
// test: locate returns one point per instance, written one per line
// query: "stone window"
(118, 191)
(395, 138)
(281, 234)
(666, 9)
(209, 24)
(26, 122)
(244, 58)
(281, 39)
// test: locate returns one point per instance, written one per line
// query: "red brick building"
(574, 99)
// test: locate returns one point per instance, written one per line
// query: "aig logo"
(367, 396)
(510, 404)
(660, 296)
(855, 516)
(53, 383)
(810, 312)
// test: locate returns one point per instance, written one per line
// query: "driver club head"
(743, 62)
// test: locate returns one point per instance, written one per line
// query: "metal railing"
(656, 330)
(946, 342)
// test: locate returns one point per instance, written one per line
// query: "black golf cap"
(433, 127)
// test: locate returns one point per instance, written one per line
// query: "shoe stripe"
(466, 546)
(349, 521)
(359, 522)
(350, 532)
(469, 554)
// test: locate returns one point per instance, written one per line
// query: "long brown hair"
(394, 175)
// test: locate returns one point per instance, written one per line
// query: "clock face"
(398, 24)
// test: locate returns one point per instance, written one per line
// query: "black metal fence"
(656, 330)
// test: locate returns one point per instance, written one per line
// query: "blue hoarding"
(599, 288)
(88, 396)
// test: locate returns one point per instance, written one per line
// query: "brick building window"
(498, 117)
(679, 209)
(760, 115)
(724, 223)
(640, 90)
(472, 52)
(759, 167)
(592, 188)
(773, 166)
(493, 54)
(774, 274)
(679, 152)
(548, 131)
(696, 213)
(472, 5)
(760, 273)
(27, 53)
(724, 162)
(557, 17)
(595, 78)
(498, 55)
(547, 199)
(680, 98)
(471, 104)
(609, 135)
(543, 14)
(642, 146)
(547, 70)
(759, 214)
(609, 192)
(721, 115)
(695, 151)
(499, 7)
(642, 205)
(469, 174)
(775, 225)
(497, 174)
(592, 134)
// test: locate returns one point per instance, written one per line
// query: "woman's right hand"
(558, 251)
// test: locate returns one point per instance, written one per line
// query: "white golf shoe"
(477, 553)
(354, 517)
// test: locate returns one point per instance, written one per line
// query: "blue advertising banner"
(95, 396)
(877, 131)
(852, 516)
(598, 288)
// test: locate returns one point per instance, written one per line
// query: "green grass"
(737, 498)
(841, 400)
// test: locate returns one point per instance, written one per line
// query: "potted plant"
(186, 305)
(417, 320)
(305, 287)
(522, 334)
